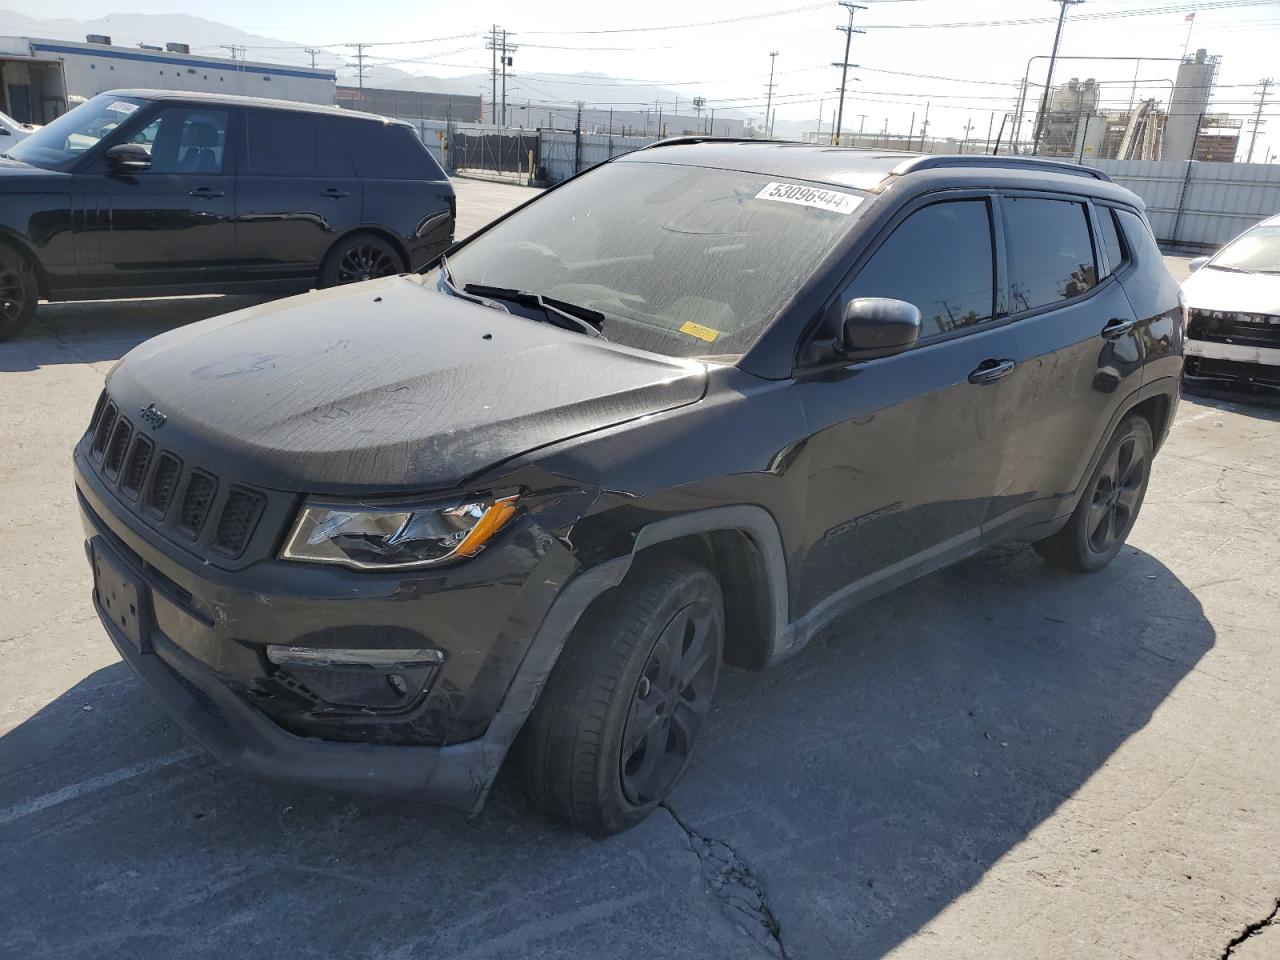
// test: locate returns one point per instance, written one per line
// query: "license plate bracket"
(122, 599)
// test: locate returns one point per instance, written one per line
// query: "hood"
(384, 386)
(1225, 290)
(14, 174)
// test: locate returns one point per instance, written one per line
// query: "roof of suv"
(228, 99)
(863, 169)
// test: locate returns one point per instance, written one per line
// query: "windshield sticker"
(122, 106)
(699, 331)
(833, 200)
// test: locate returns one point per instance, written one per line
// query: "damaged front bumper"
(199, 639)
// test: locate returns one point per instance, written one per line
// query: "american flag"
(1188, 18)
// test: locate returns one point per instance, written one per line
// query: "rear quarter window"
(386, 151)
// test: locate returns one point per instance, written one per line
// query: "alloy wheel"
(13, 297)
(670, 701)
(1116, 493)
(366, 262)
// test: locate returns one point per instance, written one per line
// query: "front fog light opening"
(364, 681)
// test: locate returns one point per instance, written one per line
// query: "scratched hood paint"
(384, 386)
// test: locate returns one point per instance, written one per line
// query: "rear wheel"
(361, 256)
(616, 724)
(1107, 511)
(18, 292)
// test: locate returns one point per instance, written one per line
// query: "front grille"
(239, 517)
(187, 503)
(135, 470)
(165, 481)
(196, 502)
(1246, 329)
(116, 446)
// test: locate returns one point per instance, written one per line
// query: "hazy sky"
(729, 62)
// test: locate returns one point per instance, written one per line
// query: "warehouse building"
(40, 79)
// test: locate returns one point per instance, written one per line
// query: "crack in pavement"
(1251, 930)
(732, 881)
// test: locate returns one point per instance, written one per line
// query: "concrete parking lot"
(1000, 760)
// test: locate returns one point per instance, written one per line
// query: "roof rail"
(936, 161)
(700, 138)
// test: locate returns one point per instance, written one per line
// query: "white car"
(11, 131)
(1233, 332)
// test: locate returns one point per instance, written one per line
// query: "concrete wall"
(1200, 204)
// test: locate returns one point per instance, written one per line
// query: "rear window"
(386, 151)
(1050, 253)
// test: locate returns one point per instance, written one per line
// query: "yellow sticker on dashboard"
(699, 331)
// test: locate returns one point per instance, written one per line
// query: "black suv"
(154, 193)
(685, 408)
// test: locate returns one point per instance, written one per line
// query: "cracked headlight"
(372, 537)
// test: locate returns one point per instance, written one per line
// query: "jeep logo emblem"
(152, 417)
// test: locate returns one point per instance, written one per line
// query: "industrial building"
(40, 79)
(1076, 126)
(412, 104)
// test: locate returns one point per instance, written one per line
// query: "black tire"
(612, 682)
(361, 256)
(1109, 506)
(18, 292)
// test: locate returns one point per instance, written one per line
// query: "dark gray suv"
(684, 409)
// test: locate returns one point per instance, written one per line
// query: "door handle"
(989, 371)
(333, 193)
(205, 193)
(1117, 327)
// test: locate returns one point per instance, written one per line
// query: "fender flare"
(565, 611)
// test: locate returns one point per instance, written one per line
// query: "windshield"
(58, 145)
(1257, 251)
(684, 261)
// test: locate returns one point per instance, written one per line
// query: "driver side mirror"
(128, 158)
(1197, 263)
(878, 327)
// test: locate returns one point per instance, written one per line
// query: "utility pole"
(500, 60)
(314, 53)
(967, 127)
(1048, 81)
(492, 45)
(818, 135)
(768, 100)
(360, 67)
(848, 32)
(924, 126)
(237, 51)
(1257, 120)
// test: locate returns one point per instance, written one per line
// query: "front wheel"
(1110, 504)
(616, 723)
(18, 292)
(361, 256)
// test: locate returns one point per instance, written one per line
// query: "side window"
(1050, 254)
(386, 151)
(186, 140)
(279, 144)
(940, 259)
(1138, 236)
(1110, 238)
(331, 156)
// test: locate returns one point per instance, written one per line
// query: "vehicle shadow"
(868, 782)
(105, 330)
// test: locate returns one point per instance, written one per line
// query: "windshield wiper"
(569, 316)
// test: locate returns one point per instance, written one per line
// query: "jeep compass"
(680, 411)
